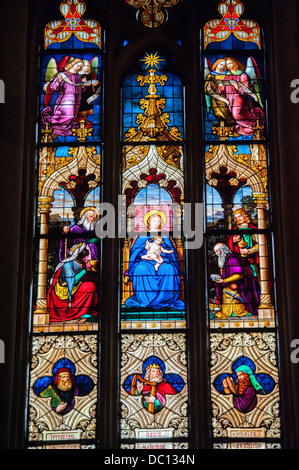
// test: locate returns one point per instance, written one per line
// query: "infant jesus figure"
(154, 250)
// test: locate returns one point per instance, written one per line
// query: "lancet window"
(65, 322)
(153, 320)
(244, 378)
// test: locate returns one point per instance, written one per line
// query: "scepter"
(65, 242)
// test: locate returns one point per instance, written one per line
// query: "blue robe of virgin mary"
(154, 289)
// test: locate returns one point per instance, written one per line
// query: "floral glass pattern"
(245, 389)
(63, 394)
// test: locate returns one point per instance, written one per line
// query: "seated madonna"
(155, 277)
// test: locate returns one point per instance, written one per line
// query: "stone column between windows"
(41, 313)
(266, 308)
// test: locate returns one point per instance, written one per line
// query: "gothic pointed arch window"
(65, 322)
(244, 368)
(156, 378)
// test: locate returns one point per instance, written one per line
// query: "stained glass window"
(66, 306)
(154, 369)
(153, 321)
(241, 309)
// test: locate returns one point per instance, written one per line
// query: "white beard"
(148, 377)
(221, 260)
(89, 226)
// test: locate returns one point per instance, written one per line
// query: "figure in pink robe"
(243, 102)
(68, 85)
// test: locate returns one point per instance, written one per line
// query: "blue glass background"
(72, 43)
(232, 42)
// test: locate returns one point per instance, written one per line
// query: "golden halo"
(155, 212)
(90, 209)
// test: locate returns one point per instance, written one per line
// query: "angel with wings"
(240, 91)
(215, 91)
(75, 83)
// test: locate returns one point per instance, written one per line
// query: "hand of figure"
(236, 238)
(140, 387)
(231, 384)
(219, 280)
(61, 407)
(150, 399)
(244, 251)
(66, 229)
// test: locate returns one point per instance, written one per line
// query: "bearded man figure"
(153, 387)
(235, 286)
(245, 390)
(63, 391)
(82, 232)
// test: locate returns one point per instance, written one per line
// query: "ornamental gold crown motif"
(153, 123)
(154, 13)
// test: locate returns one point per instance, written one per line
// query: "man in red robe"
(153, 387)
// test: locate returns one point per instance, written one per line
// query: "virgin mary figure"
(154, 288)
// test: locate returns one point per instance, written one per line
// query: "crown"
(153, 366)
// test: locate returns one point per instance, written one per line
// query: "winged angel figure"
(76, 86)
(233, 93)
